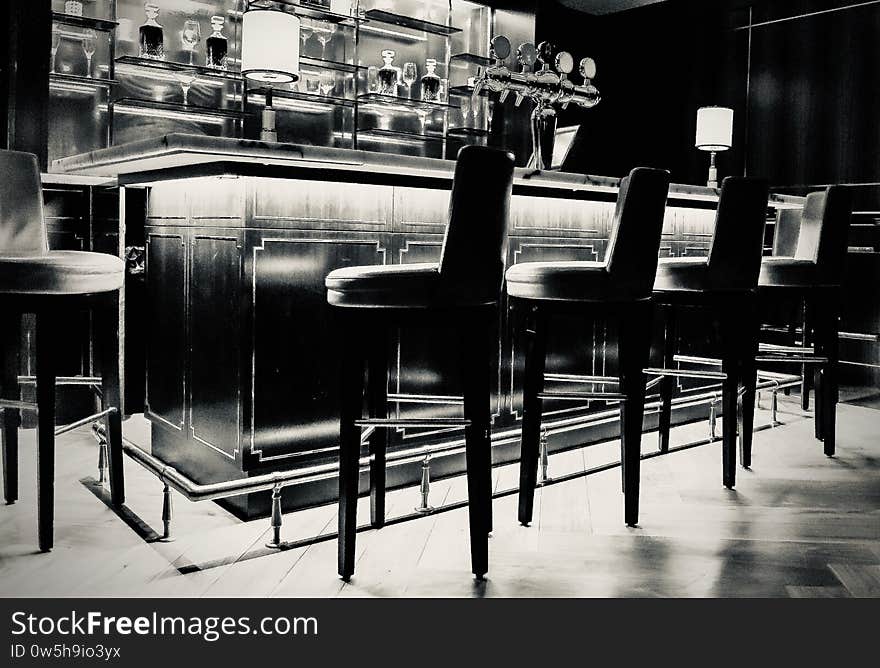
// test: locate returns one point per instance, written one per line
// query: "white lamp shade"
(270, 46)
(714, 128)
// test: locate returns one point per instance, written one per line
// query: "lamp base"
(713, 173)
(268, 133)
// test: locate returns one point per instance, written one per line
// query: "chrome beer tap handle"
(564, 65)
(526, 56)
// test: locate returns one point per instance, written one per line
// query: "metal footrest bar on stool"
(391, 423)
(686, 373)
(580, 396)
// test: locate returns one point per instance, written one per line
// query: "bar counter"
(240, 357)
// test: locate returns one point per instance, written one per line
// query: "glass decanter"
(430, 82)
(152, 35)
(389, 75)
(216, 46)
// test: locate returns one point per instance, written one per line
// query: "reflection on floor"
(799, 524)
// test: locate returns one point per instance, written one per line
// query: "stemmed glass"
(191, 36)
(326, 82)
(324, 36)
(186, 79)
(89, 46)
(56, 44)
(465, 105)
(306, 30)
(410, 73)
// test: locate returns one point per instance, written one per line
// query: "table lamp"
(714, 133)
(270, 55)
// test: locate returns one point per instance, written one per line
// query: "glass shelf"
(403, 103)
(383, 16)
(176, 108)
(330, 64)
(169, 66)
(465, 90)
(311, 98)
(310, 12)
(471, 58)
(80, 81)
(468, 132)
(398, 135)
(84, 21)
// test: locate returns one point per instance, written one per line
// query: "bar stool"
(813, 276)
(53, 285)
(463, 290)
(618, 288)
(723, 285)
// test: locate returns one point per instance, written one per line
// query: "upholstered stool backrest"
(634, 243)
(738, 240)
(824, 230)
(22, 227)
(475, 245)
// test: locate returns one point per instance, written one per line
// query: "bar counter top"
(177, 155)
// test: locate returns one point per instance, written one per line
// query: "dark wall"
(802, 81)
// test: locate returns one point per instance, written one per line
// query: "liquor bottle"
(152, 35)
(389, 75)
(430, 82)
(216, 46)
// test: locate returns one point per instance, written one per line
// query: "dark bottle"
(152, 35)
(216, 46)
(430, 82)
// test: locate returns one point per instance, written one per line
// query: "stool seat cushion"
(780, 271)
(564, 281)
(414, 285)
(60, 273)
(682, 274)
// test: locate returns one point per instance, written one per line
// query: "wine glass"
(186, 79)
(326, 82)
(324, 35)
(306, 30)
(56, 44)
(465, 106)
(89, 46)
(410, 73)
(191, 36)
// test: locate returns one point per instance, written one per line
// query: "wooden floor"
(799, 525)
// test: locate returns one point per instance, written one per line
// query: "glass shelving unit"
(124, 87)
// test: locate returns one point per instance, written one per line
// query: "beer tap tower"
(548, 89)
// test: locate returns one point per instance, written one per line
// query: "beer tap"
(547, 85)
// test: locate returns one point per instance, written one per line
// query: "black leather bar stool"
(813, 277)
(462, 291)
(618, 288)
(723, 285)
(53, 285)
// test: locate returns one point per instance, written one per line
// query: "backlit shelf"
(173, 109)
(105, 25)
(383, 16)
(397, 135)
(471, 58)
(401, 103)
(308, 11)
(170, 66)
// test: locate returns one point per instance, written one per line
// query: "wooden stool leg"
(751, 331)
(634, 345)
(533, 385)
(476, 372)
(377, 361)
(107, 330)
(667, 383)
(46, 330)
(829, 375)
(10, 340)
(730, 365)
(806, 341)
(351, 391)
